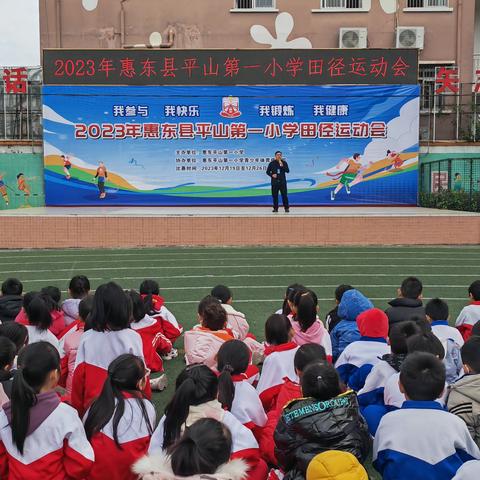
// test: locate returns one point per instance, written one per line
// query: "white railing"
(427, 3)
(341, 4)
(253, 4)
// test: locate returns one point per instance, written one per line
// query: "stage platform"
(96, 227)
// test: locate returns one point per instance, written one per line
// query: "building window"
(253, 4)
(427, 3)
(426, 77)
(341, 4)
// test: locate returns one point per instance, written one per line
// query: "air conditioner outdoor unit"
(410, 37)
(353, 38)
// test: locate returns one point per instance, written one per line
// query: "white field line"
(285, 265)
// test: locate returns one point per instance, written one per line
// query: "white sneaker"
(347, 188)
(173, 353)
(332, 195)
(160, 383)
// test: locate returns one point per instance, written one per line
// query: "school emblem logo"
(230, 107)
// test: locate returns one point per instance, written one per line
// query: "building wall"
(449, 35)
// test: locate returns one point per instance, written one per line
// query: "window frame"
(254, 9)
(428, 8)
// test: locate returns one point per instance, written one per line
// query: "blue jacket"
(353, 303)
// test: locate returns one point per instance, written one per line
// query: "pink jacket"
(236, 321)
(202, 345)
(317, 333)
(70, 310)
(70, 347)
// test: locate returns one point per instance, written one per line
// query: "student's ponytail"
(232, 359)
(195, 385)
(148, 289)
(124, 375)
(289, 296)
(35, 362)
(320, 381)
(306, 304)
(39, 311)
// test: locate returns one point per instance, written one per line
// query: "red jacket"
(170, 326)
(288, 391)
(58, 321)
(153, 340)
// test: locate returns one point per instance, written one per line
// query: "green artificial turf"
(257, 276)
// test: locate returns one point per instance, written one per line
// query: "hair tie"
(319, 377)
(228, 368)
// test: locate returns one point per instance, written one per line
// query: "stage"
(110, 227)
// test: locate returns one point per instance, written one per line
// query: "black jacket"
(308, 427)
(10, 306)
(402, 309)
(274, 167)
(332, 319)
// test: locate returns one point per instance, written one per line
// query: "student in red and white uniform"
(40, 437)
(470, 314)
(155, 304)
(290, 390)
(70, 342)
(154, 341)
(235, 392)
(278, 363)
(195, 397)
(204, 340)
(109, 338)
(120, 421)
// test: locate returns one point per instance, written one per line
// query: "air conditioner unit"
(410, 37)
(353, 38)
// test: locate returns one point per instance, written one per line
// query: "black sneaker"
(287, 210)
(275, 210)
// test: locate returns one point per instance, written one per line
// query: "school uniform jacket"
(133, 433)
(467, 318)
(422, 441)
(246, 406)
(443, 331)
(57, 449)
(358, 359)
(95, 353)
(170, 326)
(244, 445)
(153, 340)
(278, 364)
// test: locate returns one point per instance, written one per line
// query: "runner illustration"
(396, 160)
(3, 190)
(67, 165)
(350, 176)
(101, 177)
(23, 187)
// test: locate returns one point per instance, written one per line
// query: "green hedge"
(448, 200)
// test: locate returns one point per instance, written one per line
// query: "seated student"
(8, 351)
(204, 340)
(421, 440)
(195, 397)
(353, 303)
(203, 451)
(358, 358)
(307, 327)
(408, 302)
(16, 332)
(155, 304)
(78, 289)
(332, 317)
(290, 390)
(109, 337)
(38, 312)
(325, 419)
(10, 299)
(468, 471)
(288, 299)
(464, 394)
(120, 422)
(235, 392)
(72, 340)
(237, 322)
(40, 437)
(278, 364)
(336, 465)
(150, 329)
(58, 318)
(437, 314)
(470, 314)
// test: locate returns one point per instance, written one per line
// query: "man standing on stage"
(276, 170)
